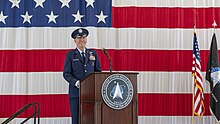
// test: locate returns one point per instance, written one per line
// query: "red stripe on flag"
(164, 17)
(31, 60)
(50, 105)
(58, 105)
(122, 60)
(167, 104)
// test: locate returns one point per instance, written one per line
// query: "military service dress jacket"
(75, 68)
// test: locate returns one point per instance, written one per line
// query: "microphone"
(109, 59)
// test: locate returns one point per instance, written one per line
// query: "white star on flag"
(90, 3)
(26, 17)
(101, 17)
(39, 3)
(52, 17)
(77, 17)
(15, 3)
(2, 17)
(65, 3)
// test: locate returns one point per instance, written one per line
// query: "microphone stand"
(109, 59)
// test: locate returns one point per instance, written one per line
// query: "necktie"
(83, 56)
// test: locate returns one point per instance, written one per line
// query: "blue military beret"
(79, 33)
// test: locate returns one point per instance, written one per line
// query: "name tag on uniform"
(75, 59)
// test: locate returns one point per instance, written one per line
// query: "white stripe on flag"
(174, 120)
(53, 83)
(57, 120)
(141, 120)
(59, 38)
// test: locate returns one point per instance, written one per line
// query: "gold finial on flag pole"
(214, 25)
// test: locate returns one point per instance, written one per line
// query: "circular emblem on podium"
(117, 91)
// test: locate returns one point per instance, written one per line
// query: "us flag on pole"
(199, 107)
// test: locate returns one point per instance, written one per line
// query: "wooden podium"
(94, 110)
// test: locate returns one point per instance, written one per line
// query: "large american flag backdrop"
(152, 37)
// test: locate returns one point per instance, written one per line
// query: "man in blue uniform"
(79, 63)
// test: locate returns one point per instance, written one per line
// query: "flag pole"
(214, 25)
(193, 90)
(193, 99)
(195, 27)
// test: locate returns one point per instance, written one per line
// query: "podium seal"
(117, 91)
